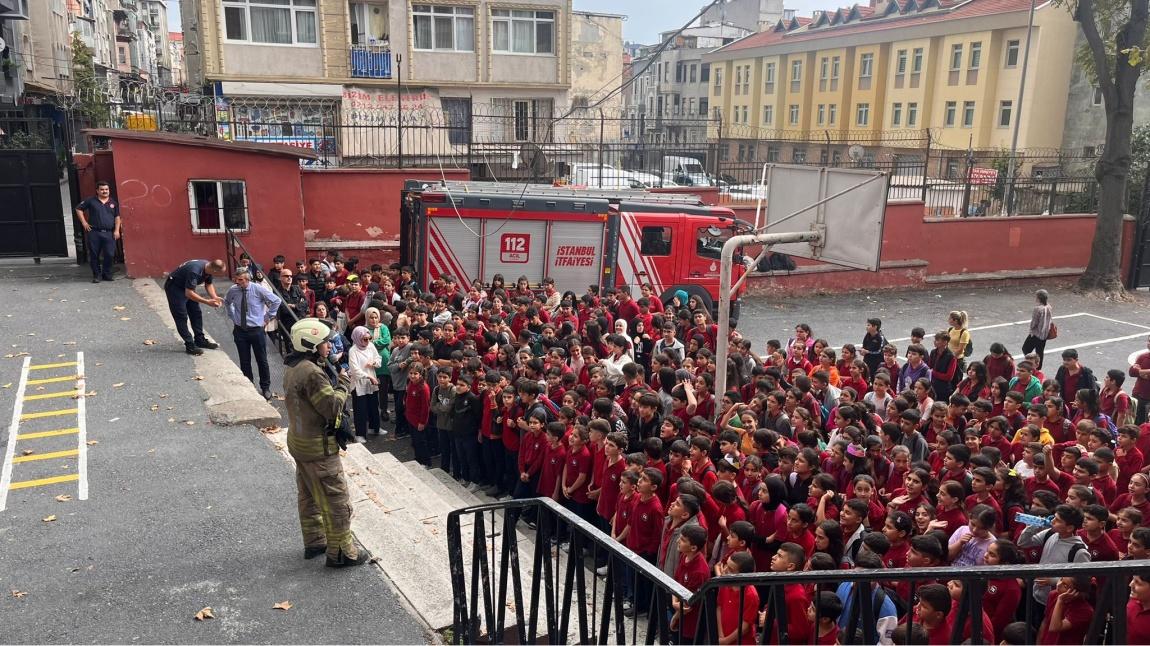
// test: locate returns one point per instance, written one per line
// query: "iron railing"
(495, 600)
(369, 62)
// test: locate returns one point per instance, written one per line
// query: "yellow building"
(884, 74)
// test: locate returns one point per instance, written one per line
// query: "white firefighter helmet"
(307, 334)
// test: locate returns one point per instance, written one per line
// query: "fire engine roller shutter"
(452, 249)
(575, 255)
(515, 248)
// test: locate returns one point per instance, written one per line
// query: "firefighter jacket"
(314, 406)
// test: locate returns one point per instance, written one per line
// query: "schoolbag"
(1074, 549)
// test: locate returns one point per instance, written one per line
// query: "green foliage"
(90, 102)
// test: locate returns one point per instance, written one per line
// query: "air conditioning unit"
(14, 9)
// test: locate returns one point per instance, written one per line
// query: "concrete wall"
(918, 252)
(1086, 122)
(272, 60)
(596, 62)
(152, 185)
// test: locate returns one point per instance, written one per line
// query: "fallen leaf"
(39, 388)
(49, 519)
(119, 308)
(69, 343)
(147, 342)
(154, 407)
(125, 318)
(92, 442)
(206, 613)
(278, 398)
(114, 419)
(8, 385)
(28, 451)
(270, 430)
(19, 594)
(198, 378)
(49, 340)
(164, 395)
(283, 605)
(119, 385)
(189, 422)
(171, 419)
(63, 498)
(151, 450)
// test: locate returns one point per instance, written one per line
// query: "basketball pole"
(722, 342)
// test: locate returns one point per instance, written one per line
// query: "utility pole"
(1007, 207)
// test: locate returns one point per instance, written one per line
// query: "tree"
(90, 96)
(1116, 46)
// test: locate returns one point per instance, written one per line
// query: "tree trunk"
(1103, 273)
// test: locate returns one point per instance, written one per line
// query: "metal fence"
(522, 140)
(508, 588)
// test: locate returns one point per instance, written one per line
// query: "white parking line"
(13, 429)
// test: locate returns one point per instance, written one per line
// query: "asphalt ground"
(180, 514)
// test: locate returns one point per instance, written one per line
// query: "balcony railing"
(370, 62)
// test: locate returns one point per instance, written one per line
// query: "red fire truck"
(577, 236)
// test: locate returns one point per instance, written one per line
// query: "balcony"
(370, 62)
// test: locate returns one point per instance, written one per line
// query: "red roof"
(872, 21)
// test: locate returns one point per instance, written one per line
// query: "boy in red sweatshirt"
(417, 410)
(692, 572)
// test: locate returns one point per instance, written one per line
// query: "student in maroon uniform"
(691, 572)
(576, 478)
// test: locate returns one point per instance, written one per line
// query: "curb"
(229, 397)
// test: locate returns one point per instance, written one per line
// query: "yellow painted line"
(62, 393)
(33, 436)
(46, 456)
(52, 380)
(48, 413)
(49, 366)
(71, 477)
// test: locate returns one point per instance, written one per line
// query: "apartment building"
(878, 74)
(46, 50)
(176, 53)
(13, 23)
(342, 62)
(670, 99)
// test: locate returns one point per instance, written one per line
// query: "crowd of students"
(865, 456)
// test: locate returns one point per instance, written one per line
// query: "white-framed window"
(693, 73)
(217, 205)
(738, 78)
(956, 57)
(975, 55)
(1011, 53)
(896, 115)
(1004, 112)
(911, 115)
(516, 31)
(916, 61)
(900, 65)
(768, 115)
(769, 78)
(270, 22)
(824, 68)
(832, 114)
(796, 75)
(862, 114)
(968, 114)
(443, 28)
(1096, 98)
(822, 118)
(866, 66)
(746, 79)
(718, 80)
(794, 116)
(951, 113)
(835, 68)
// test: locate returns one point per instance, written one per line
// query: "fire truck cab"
(578, 237)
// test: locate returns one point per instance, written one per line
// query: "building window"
(824, 72)
(123, 52)
(738, 78)
(822, 114)
(656, 241)
(833, 114)
(768, 115)
(742, 154)
(691, 73)
(896, 115)
(1004, 110)
(718, 80)
(444, 28)
(773, 154)
(796, 75)
(968, 114)
(916, 61)
(276, 22)
(951, 113)
(799, 155)
(522, 32)
(794, 118)
(834, 73)
(746, 79)
(1096, 98)
(769, 78)
(862, 114)
(975, 55)
(900, 66)
(703, 106)
(457, 114)
(956, 57)
(1011, 53)
(705, 73)
(866, 69)
(911, 115)
(217, 205)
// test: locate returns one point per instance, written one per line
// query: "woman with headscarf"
(362, 361)
(381, 339)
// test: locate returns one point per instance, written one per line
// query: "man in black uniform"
(100, 217)
(184, 302)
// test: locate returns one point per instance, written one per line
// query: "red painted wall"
(356, 210)
(916, 248)
(152, 184)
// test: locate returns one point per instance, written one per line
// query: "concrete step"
(432, 505)
(459, 490)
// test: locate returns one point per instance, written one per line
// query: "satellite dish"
(3, 44)
(855, 152)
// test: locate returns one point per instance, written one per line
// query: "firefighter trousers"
(325, 507)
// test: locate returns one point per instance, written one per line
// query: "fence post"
(926, 167)
(966, 176)
(1050, 203)
(602, 129)
(718, 146)
(470, 131)
(399, 105)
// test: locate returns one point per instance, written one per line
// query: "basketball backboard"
(847, 205)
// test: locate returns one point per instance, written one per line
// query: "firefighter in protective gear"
(315, 397)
